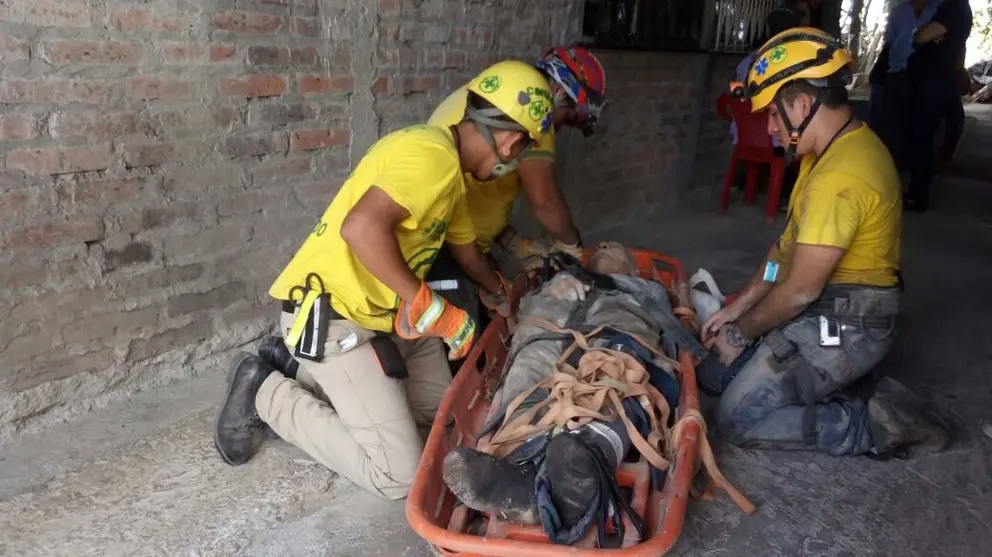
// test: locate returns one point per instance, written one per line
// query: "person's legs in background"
(932, 96)
(953, 115)
(892, 116)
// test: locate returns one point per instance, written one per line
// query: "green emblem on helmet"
(490, 84)
(538, 109)
(777, 54)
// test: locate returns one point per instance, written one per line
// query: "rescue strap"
(594, 391)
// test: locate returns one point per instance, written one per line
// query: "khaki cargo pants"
(346, 414)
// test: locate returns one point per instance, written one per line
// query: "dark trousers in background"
(936, 97)
(890, 114)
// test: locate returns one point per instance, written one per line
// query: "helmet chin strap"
(795, 133)
(486, 120)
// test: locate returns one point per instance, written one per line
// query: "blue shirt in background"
(900, 28)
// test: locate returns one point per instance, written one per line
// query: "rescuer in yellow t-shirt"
(576, 82)
(820, 312)
(363, 325)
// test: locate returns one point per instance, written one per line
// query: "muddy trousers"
(762, 408)
(349, 416)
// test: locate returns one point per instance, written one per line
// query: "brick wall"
(161, 159)
(714, 142)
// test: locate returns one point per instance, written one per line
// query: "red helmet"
(581, 77)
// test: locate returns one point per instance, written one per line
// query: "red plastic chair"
(754, 147)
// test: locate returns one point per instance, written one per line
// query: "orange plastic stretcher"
(438, 517)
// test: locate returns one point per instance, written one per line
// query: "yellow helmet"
(520, 92)
(799, 53)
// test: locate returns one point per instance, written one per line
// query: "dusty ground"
(143, 478)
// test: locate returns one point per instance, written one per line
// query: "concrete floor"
(142, 478)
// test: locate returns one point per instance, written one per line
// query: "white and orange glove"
(501, 302)
(429, 314)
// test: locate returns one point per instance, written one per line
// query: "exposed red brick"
(56, 160)
(58, 13)
(95, 124)
(310, 140)
(73, 51)
(57, 232)
(249, 23)
(146, 87)
(145, 18)
(221, 52)
(112, 189)
(253, 86)
(325, 84)
(18, 127)
(13, 49)
(380, 85)
(61, 91)
(305, 26)
(419, 83)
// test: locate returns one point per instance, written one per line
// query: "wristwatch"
(732, 334)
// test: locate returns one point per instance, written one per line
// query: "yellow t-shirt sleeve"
(830, 213)
(543, 150)
(417, 178)
(460, 229)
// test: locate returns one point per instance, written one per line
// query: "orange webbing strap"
(689, 315)
(581, 341)
(595, 391)
(708, 460)
(592, 391)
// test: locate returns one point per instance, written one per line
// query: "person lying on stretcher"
(533, 471)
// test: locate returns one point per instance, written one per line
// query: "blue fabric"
(713, 376)
(761, 407)
(557, 532)
(900, 28)
(659, 378)
(943, 58)
(934, 98)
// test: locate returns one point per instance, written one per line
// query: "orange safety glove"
(501, 302)
(430, 314)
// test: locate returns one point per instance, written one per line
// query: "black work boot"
(239, 431)
(573, 477)
(487, 484)
(275, 351)
(901, 424)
